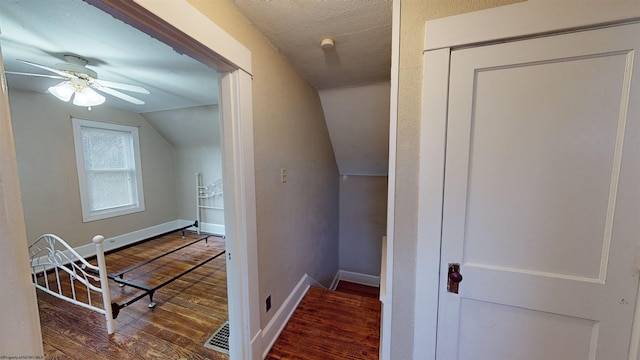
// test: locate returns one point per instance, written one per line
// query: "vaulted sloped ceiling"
(44, 31)
(188, 127)
(353, 79)
(358, 123)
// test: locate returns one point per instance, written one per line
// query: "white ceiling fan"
(80, 82)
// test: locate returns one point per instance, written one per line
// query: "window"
(109, 173)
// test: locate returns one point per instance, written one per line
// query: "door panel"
(483, 335)
(542, 200)
(517, 145)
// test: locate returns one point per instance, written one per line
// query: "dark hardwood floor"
(188, 310)
(358, 289)
(342, 324)
(332, 325)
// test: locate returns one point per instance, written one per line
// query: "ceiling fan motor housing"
(80, 80)
(76, 65)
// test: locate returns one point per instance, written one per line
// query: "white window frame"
(83, 184)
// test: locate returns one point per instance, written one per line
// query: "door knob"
(454, 278)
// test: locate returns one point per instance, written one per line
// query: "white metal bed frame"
(50, 253)
(206, 196)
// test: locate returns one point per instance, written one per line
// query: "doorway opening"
(67, 178)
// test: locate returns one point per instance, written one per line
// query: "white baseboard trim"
(336, 280)
(119, 241)
(215, 229)
(211, 228)
(358, 278)
(256, 346)
(273, 329)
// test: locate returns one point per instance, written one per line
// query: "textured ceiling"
(352, 79)
(42, 31)
(361, 30)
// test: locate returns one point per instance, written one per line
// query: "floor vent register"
(219, 341)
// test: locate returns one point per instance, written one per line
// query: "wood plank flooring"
(358, 289)
(331, 325)
(326, 325)
(188, 310)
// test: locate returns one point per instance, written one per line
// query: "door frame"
(386, 266)
(22, 306)
(534, 18)
(180, 25)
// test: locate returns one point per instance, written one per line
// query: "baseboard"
(211, 228)
(336, 280)
(256, 346)
(116, 242)
(119, 241)
(358, 278)
(215, 229)
(273, 329)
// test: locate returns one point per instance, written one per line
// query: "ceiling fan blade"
(61, 73)
(39, 75)
(118, 94)
(121, 86)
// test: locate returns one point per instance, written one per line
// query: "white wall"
(363, 222)
(49, 179)
(358, 121)
(297, 221)
(195, 135)
(190, 160)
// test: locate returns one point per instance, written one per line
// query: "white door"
(542, 198)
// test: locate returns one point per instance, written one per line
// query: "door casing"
(210, 44)
(207, 42)
(22, 306)
(535, 18)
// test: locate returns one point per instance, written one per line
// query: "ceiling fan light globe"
(62, 91)
(88, 97)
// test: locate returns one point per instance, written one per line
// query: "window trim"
(87, 214)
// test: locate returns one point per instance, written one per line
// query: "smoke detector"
(327, 44)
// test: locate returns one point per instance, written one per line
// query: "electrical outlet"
(283, 175)
(268, 303)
